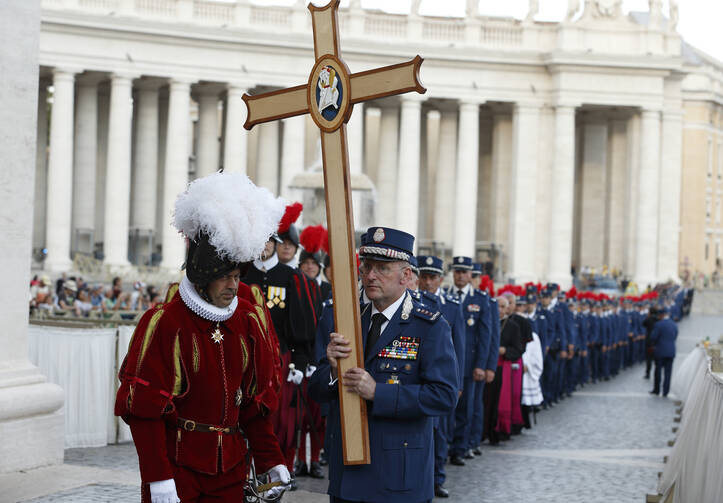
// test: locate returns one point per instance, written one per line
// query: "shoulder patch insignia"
(452, 298)
(426, 314)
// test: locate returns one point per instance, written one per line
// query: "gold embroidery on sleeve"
(178, 380)
(150, 330)
(196, 354)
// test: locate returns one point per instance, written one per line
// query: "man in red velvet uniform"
(201, 377)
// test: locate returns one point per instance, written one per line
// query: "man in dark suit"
(409, 377)
(663, 338)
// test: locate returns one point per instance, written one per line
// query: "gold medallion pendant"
(217, 335)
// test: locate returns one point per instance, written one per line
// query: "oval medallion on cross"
(328, 93)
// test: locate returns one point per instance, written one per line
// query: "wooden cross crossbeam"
(329, 96)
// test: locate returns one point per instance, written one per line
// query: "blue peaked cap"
(430, 263)
(383, 243)
(463, 263)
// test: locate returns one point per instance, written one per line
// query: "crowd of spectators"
(72, 295)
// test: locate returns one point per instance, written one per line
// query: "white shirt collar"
(293, 263)
(268, 264)
(389, 311)
(205, 310)
(553, 302)
(318, 279)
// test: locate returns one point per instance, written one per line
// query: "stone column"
(267, 163)
(84, 170)
(562, 197)
(175, 173)
(355, 139)
(101, 161)
(41, 168)
(235, 139)
(501, 169)
(593, 199)
(145, 170)
(465, 208)
(31, 415)
(444, 196)
(670, 187)
(526, 124)
(646, 240)
(292, 155)
(208, 145)
(632, 192)
(118, 172)
(615, 208)
(386, 182)
(60, 173)
(410, 133)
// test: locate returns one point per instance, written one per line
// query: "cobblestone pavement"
(604, 444)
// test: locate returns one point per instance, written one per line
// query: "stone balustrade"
(473, 31)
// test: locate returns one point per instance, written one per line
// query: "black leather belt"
(190, 425)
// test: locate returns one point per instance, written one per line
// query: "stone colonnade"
(546, 186)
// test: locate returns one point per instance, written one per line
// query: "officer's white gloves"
(310, 369)
(164, 491)
(295, 376)
(279, 473)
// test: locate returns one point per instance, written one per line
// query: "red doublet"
(174, 369)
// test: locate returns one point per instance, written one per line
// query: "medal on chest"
(276, 296)
(404, 348)
(217, 335)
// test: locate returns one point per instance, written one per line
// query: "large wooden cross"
(329, 97)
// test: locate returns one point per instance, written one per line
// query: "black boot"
(440, 492)
(456, 460)
(315, 470)
(300, 469)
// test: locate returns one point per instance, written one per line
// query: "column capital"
(65, 73)
(238, 87)
(565, 107)
(413, 98)
(181, 81)
(121, 76)
(526, 106)
(470, 102)
(650, 112)
(209, 89)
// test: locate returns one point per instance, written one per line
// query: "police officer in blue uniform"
(431, 270)
(663, 338)
(409, 377)
(480, 347)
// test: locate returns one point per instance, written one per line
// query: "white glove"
(281, 474)
(310, 369)
(295, 376)
(164, 491)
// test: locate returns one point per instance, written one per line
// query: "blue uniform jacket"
(400, 416)
(570, 326)
(494, 351)
(663, 337)
(475, 311)
(450, 308)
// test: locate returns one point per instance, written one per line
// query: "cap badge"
(379, 235)
(430, 260)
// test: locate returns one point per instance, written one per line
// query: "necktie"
(460, 293)
(374, 332)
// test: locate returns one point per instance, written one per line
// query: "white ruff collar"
(207, 311)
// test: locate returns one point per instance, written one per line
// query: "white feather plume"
(238, 216)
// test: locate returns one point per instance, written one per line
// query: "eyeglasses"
(381, 268)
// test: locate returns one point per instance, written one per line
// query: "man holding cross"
(409, 376)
